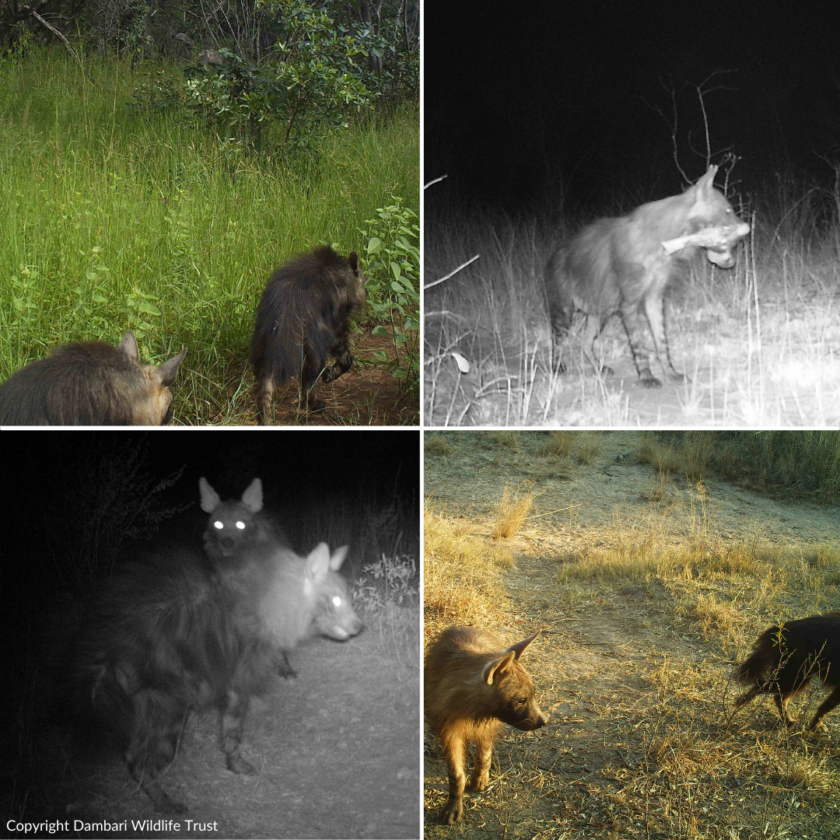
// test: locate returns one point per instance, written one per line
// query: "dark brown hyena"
(623, 266)
(471, 685)
(236, 524)
(787, 658)
(303, 318)
(169, 636)
(90, 384)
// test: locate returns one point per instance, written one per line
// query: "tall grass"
(117, 219)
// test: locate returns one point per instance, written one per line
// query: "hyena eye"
(336, 601)
(240, 525)
(218, 525)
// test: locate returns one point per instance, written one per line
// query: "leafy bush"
(393, 253)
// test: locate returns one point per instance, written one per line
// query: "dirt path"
(608, 669)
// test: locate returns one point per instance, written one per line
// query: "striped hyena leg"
(158, 722)
(233, 716)
(655, 311)
(634, 325)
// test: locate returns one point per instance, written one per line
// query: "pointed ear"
(519, 648)
(166, 372)
(338, 557)
(209, 497)
(128, 347)
(707, 182)
(252, 498)
(318, 563)
(495, 670)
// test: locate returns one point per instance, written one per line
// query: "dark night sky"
(45, 472)
(523, 100)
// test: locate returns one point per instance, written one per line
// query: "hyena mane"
(90, 384)
(159, 640)
(303, 318)
(472, 684)
(624, 265)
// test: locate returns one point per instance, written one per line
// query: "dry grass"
(436, 446)
(645, 623)
(462, 575)
(513, 510)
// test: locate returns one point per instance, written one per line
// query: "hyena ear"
(519, 648)
(707, 182)
(128, 347)
(209, 497)
(353, 260)
(338, 557)
(498, 668)
(166, 373)
(252, 498)
(318, 563)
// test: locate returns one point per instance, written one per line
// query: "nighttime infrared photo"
(631, 214)
(212, 635)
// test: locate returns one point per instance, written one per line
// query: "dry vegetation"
(754, 341)
(651, 578)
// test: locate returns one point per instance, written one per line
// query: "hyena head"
(710, 209)
(232, 524)
(326, 589)
(152, 400)
(512, 698)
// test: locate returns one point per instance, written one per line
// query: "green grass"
(117, 219)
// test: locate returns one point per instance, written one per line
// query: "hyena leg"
(233, 716)
(157, 729)
(265, 395)
(782, 701)
(454, 754)
(632, 319)
(343, 360)
(483, 759)
(309, 376)
(655, 311)
(831, 702)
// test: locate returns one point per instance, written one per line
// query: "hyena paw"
(678, 377)
(650, 381)
(479, 783)
(237, 764)
(452, 812)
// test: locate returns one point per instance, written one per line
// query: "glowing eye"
(336, 601)
(240, 525)
(218, 525)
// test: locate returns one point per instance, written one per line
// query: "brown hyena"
(90, 384)
(302, 319)
(788, 657)
(471, 685)
(168, 636)
(236, 524)
(623, 266)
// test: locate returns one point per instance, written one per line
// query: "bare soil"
(335, 749)
(639, 743)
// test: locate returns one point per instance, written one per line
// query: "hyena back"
(471, 685)
(302, 319)
(620, 266)
(90, 384)
(787, 657)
